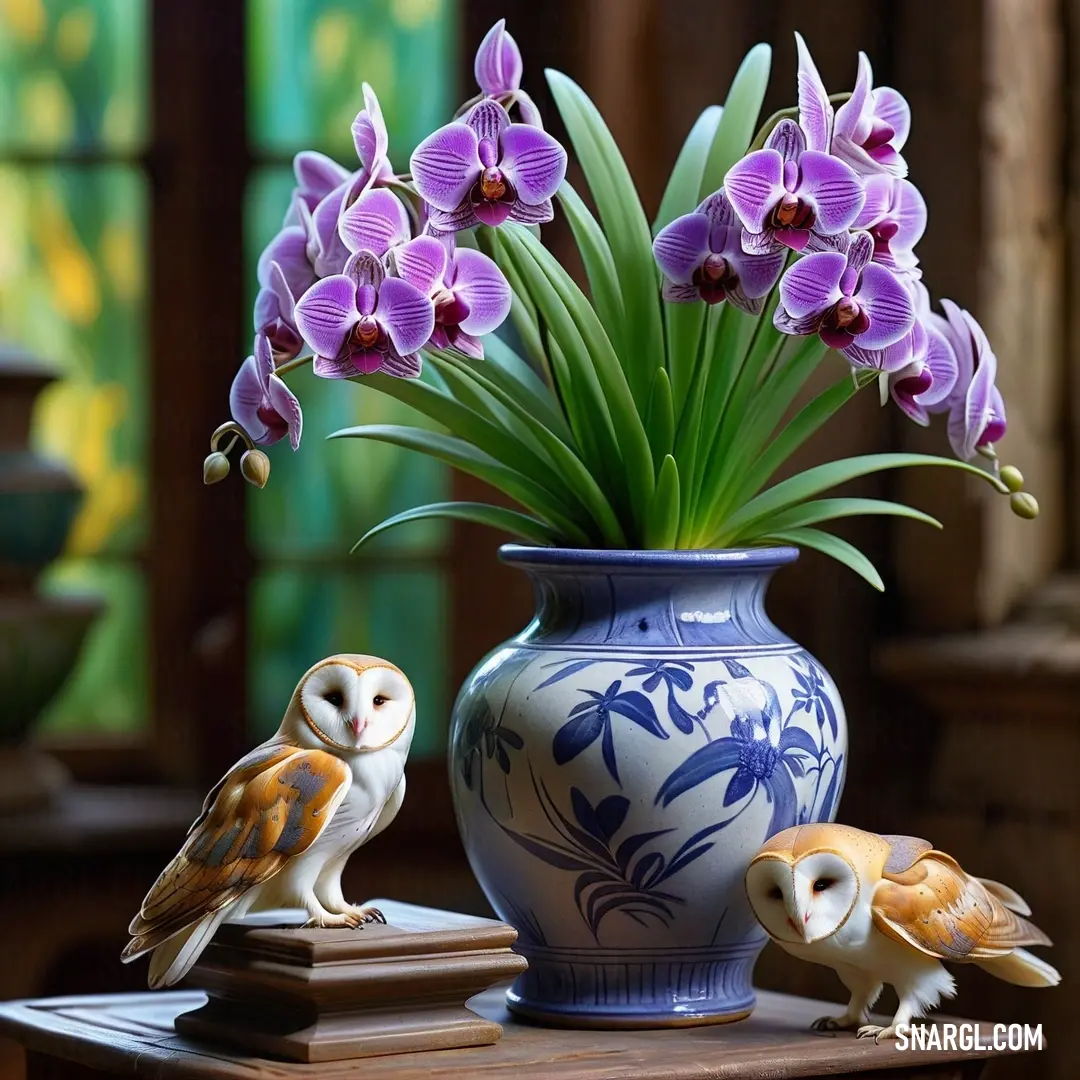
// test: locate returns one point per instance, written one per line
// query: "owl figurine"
(888, 909)
(278, 828)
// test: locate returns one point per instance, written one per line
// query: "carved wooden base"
(326, 995)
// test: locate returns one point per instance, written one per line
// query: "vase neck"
(650, 607)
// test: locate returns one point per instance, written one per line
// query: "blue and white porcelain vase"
(617, 764)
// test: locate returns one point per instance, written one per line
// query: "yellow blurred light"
(47, 112)
(330, 42)
(74, 283)
(121, 258)
(75, 35)
(24, 20)
(412, 14)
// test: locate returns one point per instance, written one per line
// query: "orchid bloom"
(498, 71)
(361, 321)
(872, 126)
(853, 304)
(929, 377)
(975, 406)
(275, 314)
(260, 401)
(470, 294)
(702, 257)
(487, 170)
(815, 108)
(376, 222)
(325, 250)
(895, 216)
(316, 176)
(787, 195)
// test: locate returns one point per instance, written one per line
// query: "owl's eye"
(335, 698)
(776, 893)
(378, 700)
(823, 883)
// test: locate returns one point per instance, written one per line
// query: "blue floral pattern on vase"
(616, 766)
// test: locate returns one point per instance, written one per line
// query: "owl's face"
(356, 707)
(802, 901)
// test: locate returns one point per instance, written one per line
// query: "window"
(73, 202)
(307, 60)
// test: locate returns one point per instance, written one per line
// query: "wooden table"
(133, 1035)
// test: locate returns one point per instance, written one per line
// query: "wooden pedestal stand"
(326, 995)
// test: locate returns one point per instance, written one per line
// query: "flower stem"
(292, 365)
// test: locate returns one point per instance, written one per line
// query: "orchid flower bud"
(1024, 505)
(255, 467)
(1012, 478)
(215, 467)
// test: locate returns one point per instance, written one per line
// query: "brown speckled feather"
(940, 910)
(269, 808)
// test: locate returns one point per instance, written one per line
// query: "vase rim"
(686, 561)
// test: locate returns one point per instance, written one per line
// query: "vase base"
(596, 1021)
(636, 989)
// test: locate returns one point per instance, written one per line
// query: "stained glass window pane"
(301, 614)
(72, 75)
(307, 62)
(72, 292)
(308, 59)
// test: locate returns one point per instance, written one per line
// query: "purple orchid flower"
(895, 216)
(498, 71)
(326, 251)
(471, 295)
(260, 401)
(376, 222)
(702, 257)
(487, 170)
(275, 313)
(975, 406)
(929, 378)
(815, 108)
(361, 321)
(788, 196)
(872, 126)
(853, 304)
(316, 176)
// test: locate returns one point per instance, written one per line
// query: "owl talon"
(876, 1032)
(329, 921)
(368, 915)
(835, 1023)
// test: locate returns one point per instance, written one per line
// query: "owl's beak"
(358, 726)
(798, 923)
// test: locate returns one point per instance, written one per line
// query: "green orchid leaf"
(626, 227)
(582, 396)
(682, 194)
(630, 432)
(468, 459)
(503, 366)
(568, 464)
(463, 422)
(497, 517)
(739, 122)
(599, 264)
(662, 521)
(813, 481)
(660, 418)
(817, 511)
(755, 470)
(835, 548)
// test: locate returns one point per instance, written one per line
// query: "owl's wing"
(904, 852)
(272, 806)
(935, 907)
